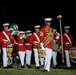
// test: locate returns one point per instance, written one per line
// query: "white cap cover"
(67, 27)
(21, 32)
(6, 24)
(37, 26)
(28, 31)
(47, 19)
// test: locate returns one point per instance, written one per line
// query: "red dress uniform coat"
(65, 40)
(20, 44)
(44, 32)
(28, 45)
(34, 40)
(3, 38)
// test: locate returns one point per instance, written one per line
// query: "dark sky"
(27, 13)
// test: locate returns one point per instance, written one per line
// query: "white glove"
(67, 43)
(15, 42)
(54, 30)
(41, 44)
(22, 37)
(57, 37)
(58, 34)
(13, 33)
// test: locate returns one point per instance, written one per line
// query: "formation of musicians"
(45, 40)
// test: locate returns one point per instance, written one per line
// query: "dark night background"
(27, 13)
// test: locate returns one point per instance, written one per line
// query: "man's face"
(20, 34)
(5, 27)
(37, 29)
(48, 23)
(67, 30)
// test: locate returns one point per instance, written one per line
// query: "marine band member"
(68, 42)
(28, 47)
(21, 47)
(35, 40)
(6, 40)
(47, 34)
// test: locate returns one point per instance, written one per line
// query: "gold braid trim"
(49, 37)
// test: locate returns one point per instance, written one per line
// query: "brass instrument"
(60, 18)
(41, 53)
(15, 28)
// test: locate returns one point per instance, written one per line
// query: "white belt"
(5, 40)
(28, 44)
(20, 44)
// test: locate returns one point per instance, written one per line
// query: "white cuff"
(57, 37)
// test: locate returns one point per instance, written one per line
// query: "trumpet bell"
(14, 26)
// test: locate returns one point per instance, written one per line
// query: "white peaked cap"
(28, 31)
(67, 27)
(37, 26)
(21, 32)
(11, 29)
(6, 24)
(47, 19)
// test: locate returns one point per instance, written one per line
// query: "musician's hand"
(13, 33)
(54, 30)
(41, 44)
(57, 37)
(67, 44)
(8, 43)
(5, 42)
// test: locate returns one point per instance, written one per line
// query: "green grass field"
(36, 72)
(32, 71)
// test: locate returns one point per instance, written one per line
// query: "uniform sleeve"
(32, 39)
(12, 39)
(29, 39)
(1, 35)
(41, 35)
